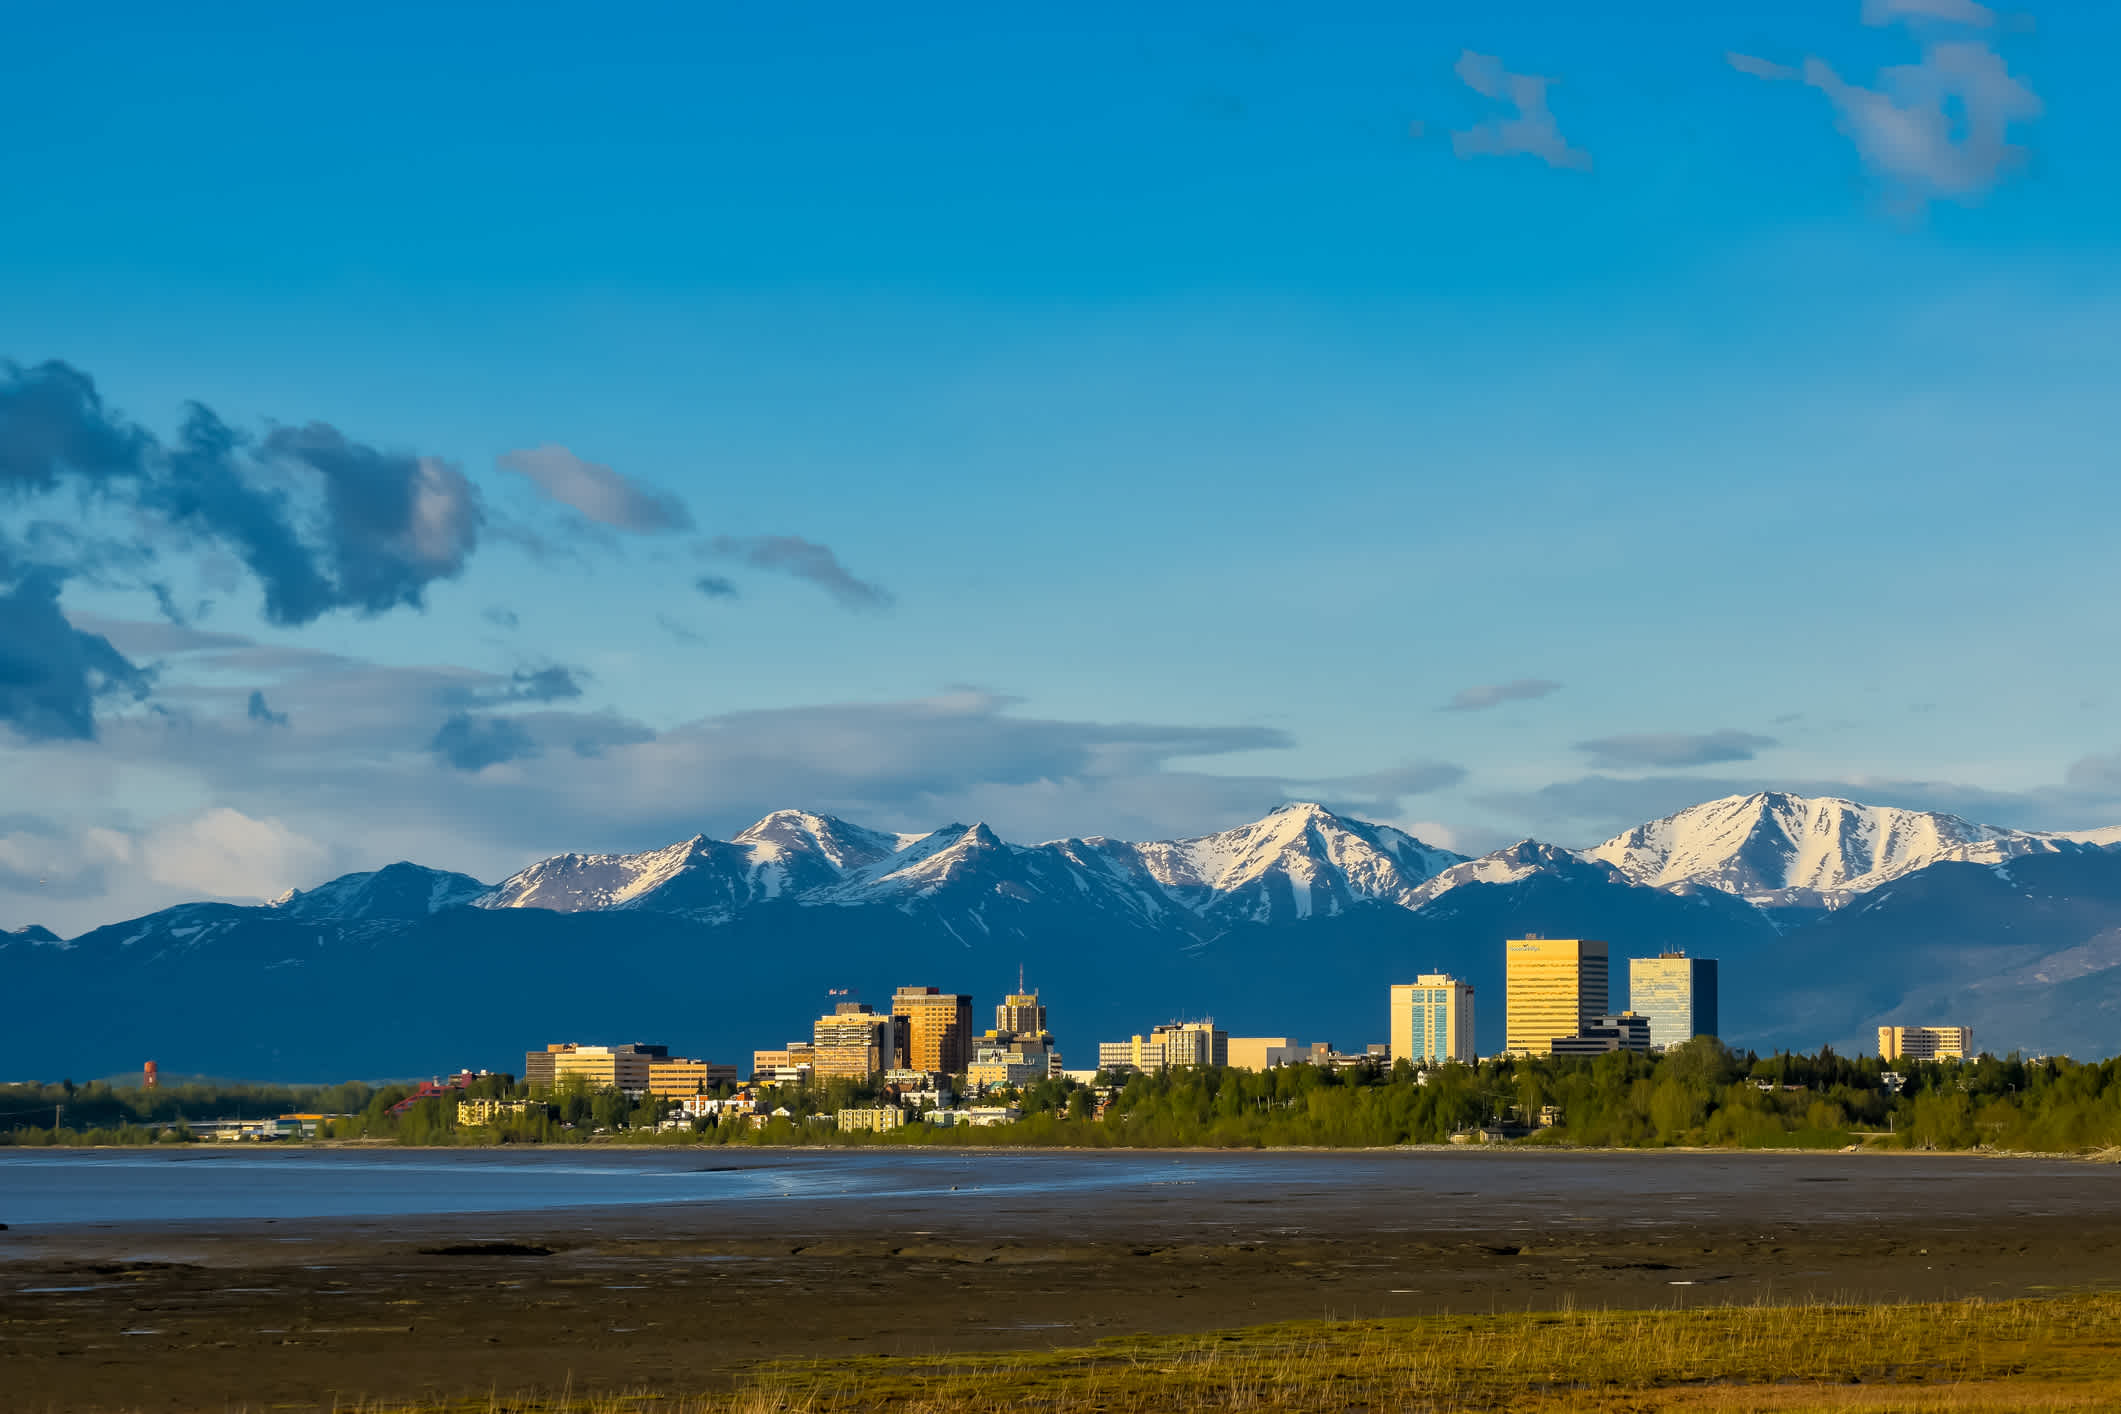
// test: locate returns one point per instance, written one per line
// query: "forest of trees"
(1699, 1094)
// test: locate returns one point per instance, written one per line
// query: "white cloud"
(596, 492)
(227, 854)
(1936, 129)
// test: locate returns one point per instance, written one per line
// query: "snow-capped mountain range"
(1302, 860)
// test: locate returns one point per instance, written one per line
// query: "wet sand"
(683, 1296)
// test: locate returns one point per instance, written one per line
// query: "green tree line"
(1698, 1094)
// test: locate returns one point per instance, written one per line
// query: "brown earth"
(683, 1298)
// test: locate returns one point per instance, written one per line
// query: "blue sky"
(1103, 426)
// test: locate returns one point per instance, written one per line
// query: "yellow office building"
(1555, 987)
(853, 1043)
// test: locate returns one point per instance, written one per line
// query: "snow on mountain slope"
(1302, 860)
(396, 891)
(1299, 861)
(2097, 839)
(1511, 865)
(787, 854)
(1773, 848)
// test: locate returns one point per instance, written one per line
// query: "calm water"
(49, 1187)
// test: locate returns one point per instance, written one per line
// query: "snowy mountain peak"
(838, 843)
(396, 892)
(1773, 847)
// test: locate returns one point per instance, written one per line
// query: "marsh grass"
(2060, 1353)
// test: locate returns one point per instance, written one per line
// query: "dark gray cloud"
(356, 528)
(545, 684)
(1666, 749)
(51, 673)
(1494, 694)
(715, 587)
(471, 743)
(596, 492)
(321, 521)
(258, 711)
(204, 488)
(805, 559)
(396, 522)
(54, 427)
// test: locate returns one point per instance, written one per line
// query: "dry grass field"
(2060, 1353)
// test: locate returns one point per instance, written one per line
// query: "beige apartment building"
(854, 1043)
(492, 1111)
(607, 1067)
(1553, 987)
(679, 1079)
(1432, 1020)
(1925, 1043)
(933, 1030)
(874, 1120)
(1175, 1043)
(788, 1057)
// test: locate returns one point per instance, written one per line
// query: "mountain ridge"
(1287, 925)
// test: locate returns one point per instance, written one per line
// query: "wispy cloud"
(596, 492)
(258, 711)
(1667, 749)
(1936, 129)
(805, 559)
(1532, 131)
(1494, 694)
(715, 587)
(1958, 12)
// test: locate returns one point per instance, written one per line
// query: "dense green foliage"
(1696, 1094)
(101, 1113)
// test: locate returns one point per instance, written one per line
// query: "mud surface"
(997, 1252)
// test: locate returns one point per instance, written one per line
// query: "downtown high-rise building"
(1432, 1020)
(933, 1030)
(1677, 993)
(1020, 1014)
(1554, 987)
(853, 1043)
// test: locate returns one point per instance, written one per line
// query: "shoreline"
(2096, 1154)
